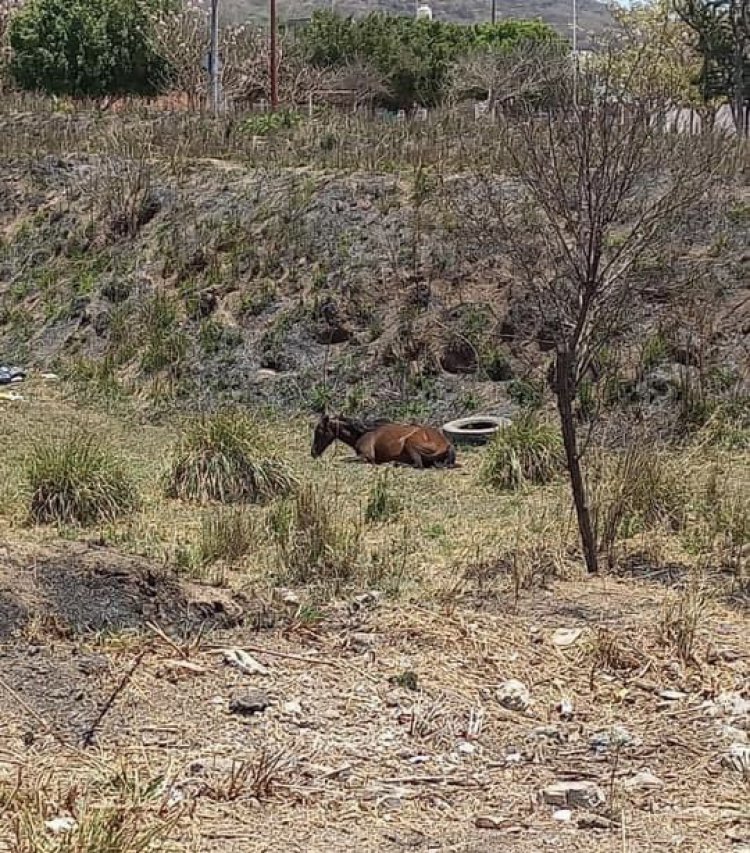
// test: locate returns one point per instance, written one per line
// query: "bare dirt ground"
(383, 729)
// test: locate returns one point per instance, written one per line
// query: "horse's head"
(332, 427)
(324, 435)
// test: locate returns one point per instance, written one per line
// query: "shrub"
(527, 451)
(77, 480)
(222, 457)
(85, 47)
(528, 394)
(414, 57)
(313, 542)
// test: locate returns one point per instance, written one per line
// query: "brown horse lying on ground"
(381, 442)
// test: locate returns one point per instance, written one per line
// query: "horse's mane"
(363, 425)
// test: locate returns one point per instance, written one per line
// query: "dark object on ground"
(477, 429)
(404, 444)
(9, 375)
(249, 702)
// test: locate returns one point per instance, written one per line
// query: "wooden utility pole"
(273, 70)
(494, 11)
(214, 61)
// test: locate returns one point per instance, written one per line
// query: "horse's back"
(389, 442)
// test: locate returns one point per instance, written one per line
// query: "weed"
(638, 492)
(77, 481)
(222, 457)
(256, 778)
(527, 451)
(682, 616)
(382, 504)
(655, 351)
(165, 343)
(255, 301)
(268, 123)
(313, 542)
(526, 393)
(215, 338)
(227, 534)
(496, 364)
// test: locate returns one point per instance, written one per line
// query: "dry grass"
(78, 481)
(528, 452)
(383, 723)
(222, 457)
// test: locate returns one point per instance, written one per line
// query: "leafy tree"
(655, 56)
(415, 56)
(86, 47)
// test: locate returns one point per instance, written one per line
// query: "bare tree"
(246, 67)
(503, 76)
(365, 83)
(595, 186)
(181, 39)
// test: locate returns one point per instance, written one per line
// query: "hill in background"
(593, 16)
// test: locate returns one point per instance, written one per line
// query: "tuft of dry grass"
(227, 534)
(528, 452)
(222, 457)
(77, 480)
(314, 540)
(382, 503)
(638, 490)
(683, 614)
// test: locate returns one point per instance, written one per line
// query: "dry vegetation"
(165, 573)
(384, 727)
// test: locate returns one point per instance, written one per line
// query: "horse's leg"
(415, 456)
(366, 449)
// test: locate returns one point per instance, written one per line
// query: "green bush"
(414, 56)
(78, 481)
(527, 451)
(223, 457)
(86, 47)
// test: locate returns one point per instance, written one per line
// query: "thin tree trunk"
(565, 389)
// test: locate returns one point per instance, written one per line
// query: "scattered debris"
(565, 709)
(513, 695)
(12, 396)
(61, 824)
(643, 781)
(243, 661)
(564, 637)
(496, 822)
(562, 815)
(614, 738)
(730, 705)
(288, 596)
(574, 794)
(594, 821)
(672, 695)
(369, 599)
(737, 758)
(293, 708)
(249, 702)
(11, 375)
